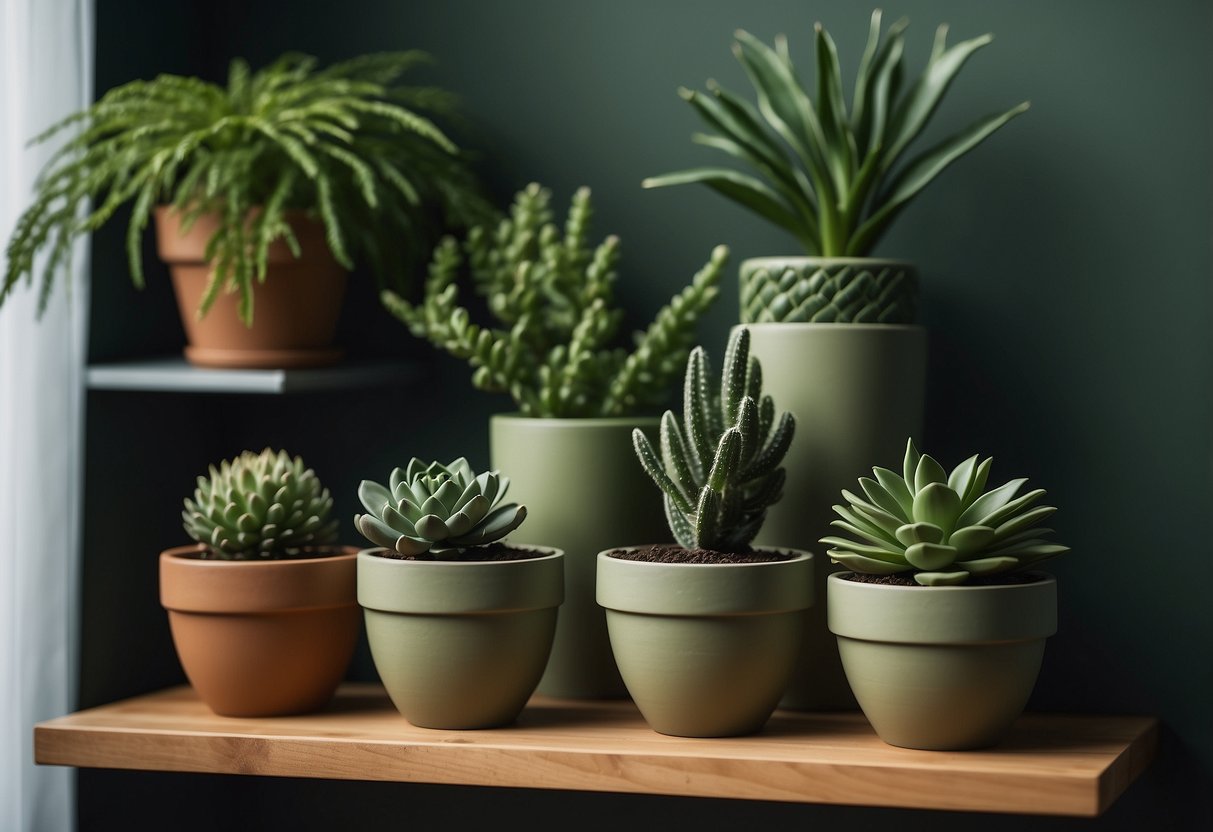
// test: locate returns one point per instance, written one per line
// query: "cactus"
(719, 470)
(942, 528)
(554, 351)
(260, 506)
(438, 511)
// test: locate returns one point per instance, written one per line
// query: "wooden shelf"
(173, 374)
(1051, 765)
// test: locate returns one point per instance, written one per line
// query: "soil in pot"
(490, 552)
(974, 580)
(679, 554)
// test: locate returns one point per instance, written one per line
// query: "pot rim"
(394, 585)
(807, 258)
(575, 422)
(958, 614)
(191, 584)
(699, 589)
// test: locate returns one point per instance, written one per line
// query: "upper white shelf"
(173, 374)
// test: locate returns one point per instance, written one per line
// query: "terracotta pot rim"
(185, 553)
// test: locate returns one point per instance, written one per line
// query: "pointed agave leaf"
(747, 190)
(880, 553)
(1012, 509)
(461, 471)
(913, 533)
(988, 566)
(923, 170)
(977, 486)
(881, 90)
(897, 487)
(859, 521)
(1023, 536)
(910, 464)
(876, 539)
(880, 497)
(971, 539)
(928, 471)
(962, 476)
(1031, 550)
(877, 516)
(870, 566)
(1023, 522)
(500, 522)
(988, 503)
(840, 150)
(859, 99)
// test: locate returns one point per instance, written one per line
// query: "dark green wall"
(1066, 269)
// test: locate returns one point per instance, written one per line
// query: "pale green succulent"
(264, 505)
(719, 470)
(942, 528)
(442, 510)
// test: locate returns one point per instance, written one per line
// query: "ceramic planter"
(262, 638)
(942, 668)
(705, 650)
(857, 392)
(295, 311)
(460, 644)
(583, 488)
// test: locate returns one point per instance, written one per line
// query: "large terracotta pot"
(460, 644)
(265, 637)
(706, 650)
(584, 489)
(295, 311)
(942, 668)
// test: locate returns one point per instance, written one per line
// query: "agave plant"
(833, 173)
(442, 510)
(349, 144)
(557, 349)
(265, 505)
(941, 527)
(719, 470)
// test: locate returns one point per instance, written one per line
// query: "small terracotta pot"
(295, 311)
(262, 638)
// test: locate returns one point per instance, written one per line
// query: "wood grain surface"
(1050, 765)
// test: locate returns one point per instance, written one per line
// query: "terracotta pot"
(295, 311)
(262, 638)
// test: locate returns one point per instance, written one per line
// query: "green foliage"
(719, 470)
(348, 144)
(941, 527)
(831, 176)
(553, 296)
(260, 506)
(442, 510)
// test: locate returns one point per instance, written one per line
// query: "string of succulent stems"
(349, 144)
(832, 172)
(720, 467)
(555, 348)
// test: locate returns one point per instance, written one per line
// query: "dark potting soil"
(989, 580)
(490, 551)
(678, 554)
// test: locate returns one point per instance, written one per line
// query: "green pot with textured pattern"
(942, 668)
(856, 382)
(584, 491)
(706, 650)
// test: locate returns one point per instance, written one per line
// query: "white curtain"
(46, 70)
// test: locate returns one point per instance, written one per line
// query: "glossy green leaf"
(930, 556)
(920, 532)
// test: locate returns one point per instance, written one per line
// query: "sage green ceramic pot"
(583, 488)
(857, 392)
(705, 650)
(460, 644)
(942, 668)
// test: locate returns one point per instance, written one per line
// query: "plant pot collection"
(614, 549)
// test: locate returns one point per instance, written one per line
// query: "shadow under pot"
(262, 637)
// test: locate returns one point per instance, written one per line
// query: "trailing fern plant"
(349, 144)
(832, 173)
(556, 350)
(719, 470)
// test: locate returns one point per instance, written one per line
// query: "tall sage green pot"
(857, 389)
(585, 491)
(942, 668)
(706, 650)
